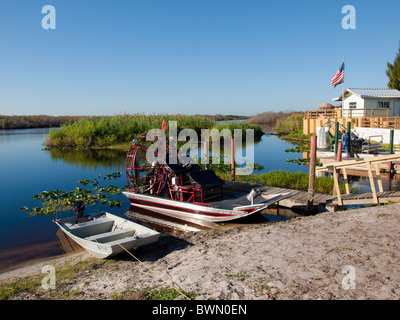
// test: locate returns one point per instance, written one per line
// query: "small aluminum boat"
(104, 235)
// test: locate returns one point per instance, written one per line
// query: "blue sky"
(189, 56)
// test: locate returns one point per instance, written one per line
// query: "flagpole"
(343, 88)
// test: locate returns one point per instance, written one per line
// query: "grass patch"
(241, 276)
(64, 277)
(16, 286)
(291, 180)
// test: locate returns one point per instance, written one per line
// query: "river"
(26, 169)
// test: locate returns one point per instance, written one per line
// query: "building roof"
(371, 93)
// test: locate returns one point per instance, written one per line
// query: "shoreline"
(303, 258)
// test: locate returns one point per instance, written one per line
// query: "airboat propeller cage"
(177, 181)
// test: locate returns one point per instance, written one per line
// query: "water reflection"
(92, 158)
(164, 223)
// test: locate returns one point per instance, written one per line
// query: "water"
(26, 170)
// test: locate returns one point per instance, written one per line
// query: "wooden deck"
(367, 198)
(296, 199)
(299, 198)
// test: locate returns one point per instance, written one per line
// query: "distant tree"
(393, 72)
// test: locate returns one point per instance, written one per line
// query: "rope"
(168, 283)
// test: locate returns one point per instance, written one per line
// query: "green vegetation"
(56, 201)
(288, 124)
(291, 180)
(270, 117)
(12, 288)
(291, 127)
(393, 73)
(162, 293)
(121, 129)
(46, 121)
(33, 284)
(40, 121)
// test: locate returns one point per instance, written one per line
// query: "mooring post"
(233, 159)
(391, 150)
(311, 176)
(336, 136)
(206, 154)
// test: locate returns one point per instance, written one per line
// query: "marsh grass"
(121, 129)
(290, 125)
(36, 121)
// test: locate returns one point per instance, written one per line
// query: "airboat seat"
(192, 167)
(206, 185)
(173, 167)
(206, 179)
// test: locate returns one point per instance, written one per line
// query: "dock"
(366, 198)
(372, 166)
(296, 200)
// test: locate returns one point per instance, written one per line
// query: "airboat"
(185, 191)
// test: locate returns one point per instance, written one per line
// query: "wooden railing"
(327, 114)
(383, 122)
(368, 113)
(348, 113)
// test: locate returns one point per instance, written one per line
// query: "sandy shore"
(343, 255)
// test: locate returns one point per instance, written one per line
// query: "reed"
(270, 117)
(121, 129)
(293, 123)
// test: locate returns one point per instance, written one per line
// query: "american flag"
(338, 77)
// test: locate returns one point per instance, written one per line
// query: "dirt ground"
(343, 255)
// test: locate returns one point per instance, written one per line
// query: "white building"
(370, 103)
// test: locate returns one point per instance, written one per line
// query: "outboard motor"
(79, 208)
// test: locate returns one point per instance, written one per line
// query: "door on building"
(397, 108)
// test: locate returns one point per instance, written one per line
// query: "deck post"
(378, 177)
(206, 154)
(311, 176)
(233, 159)
(391, 150)
(372, 183)
(338, 159)
(336, 186)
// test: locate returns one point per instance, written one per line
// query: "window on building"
(383, 105)
(352, 105)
